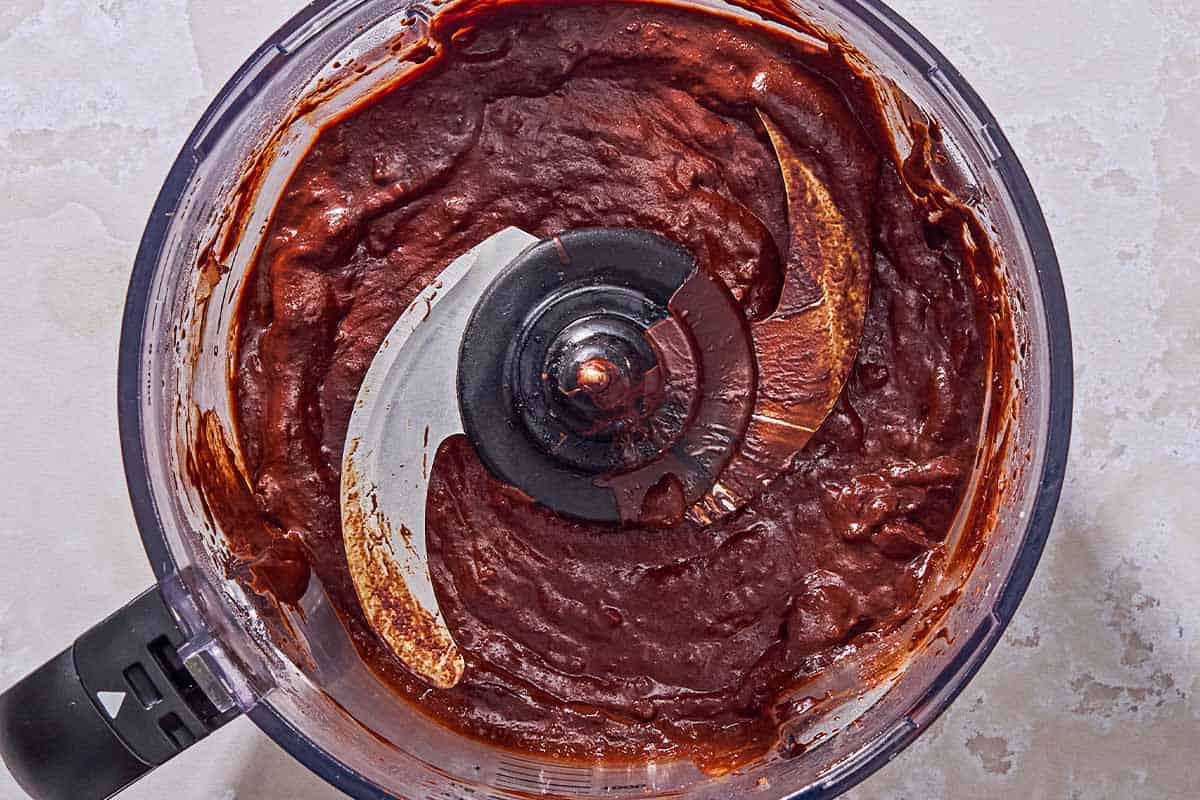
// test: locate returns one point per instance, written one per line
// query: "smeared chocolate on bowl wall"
(668, 640)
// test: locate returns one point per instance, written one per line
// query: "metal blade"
(806, 349)
(407, 406)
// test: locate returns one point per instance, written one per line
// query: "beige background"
(1093, 692)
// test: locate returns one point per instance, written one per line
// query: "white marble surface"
(1093, 692)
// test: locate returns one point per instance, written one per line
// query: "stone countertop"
(1092, 693)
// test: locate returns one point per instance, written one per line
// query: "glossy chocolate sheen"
(584, 641)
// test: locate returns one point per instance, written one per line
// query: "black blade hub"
(558, 381)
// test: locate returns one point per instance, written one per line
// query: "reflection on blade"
(806, 348)
(407, 406)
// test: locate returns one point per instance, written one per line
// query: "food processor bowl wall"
(323, 705)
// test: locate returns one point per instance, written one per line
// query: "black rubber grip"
(106, 710)
(54, 739)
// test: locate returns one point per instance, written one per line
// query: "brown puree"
(587, 641)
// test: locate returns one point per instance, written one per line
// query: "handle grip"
(108, 709)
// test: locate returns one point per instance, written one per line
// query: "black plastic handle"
(107, 710)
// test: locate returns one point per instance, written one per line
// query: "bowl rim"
(913, 47)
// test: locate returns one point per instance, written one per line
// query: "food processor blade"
(449, 367)
(804, 351)
(407, 406)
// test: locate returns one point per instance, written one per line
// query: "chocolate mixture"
(586, 640)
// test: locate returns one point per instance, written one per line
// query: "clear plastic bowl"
(329, 711)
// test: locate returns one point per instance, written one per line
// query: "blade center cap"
(599, 385)
(602, 372)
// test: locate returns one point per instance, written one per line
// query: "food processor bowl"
(294, 671)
